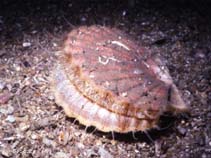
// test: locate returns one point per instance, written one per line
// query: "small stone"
(26, 44)
(10, 110)
(91, 153)
(2, 85)
(104, 153)
(3, 111)
(124, 13)
(6, 152)
(80, 145)
(74, 151)
(24, 126)
(203, 155)
(98, 142)
(7, 111)
(10, 118)
(48, 142)
(64, 137)
(83, 19)
(4, 97)
(17, 67)
(34, 136)
(181, 130)
(136, 151)
(41, 123)
(157, 148)
(55, 44)
(200, 54)
(51, 97)
(61, 155)
(26, 64)
(77, 134)
(34, 32)
(24, 118)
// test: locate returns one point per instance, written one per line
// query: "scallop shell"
(104, 78)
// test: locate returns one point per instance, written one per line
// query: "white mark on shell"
(138, 71)
(147, 65)
(105, 60)
(97, 49)
(120, 44)
(102, 113)
(135, 60)
(149, 82)
(124, 94)
(107, 83)
(91, 75)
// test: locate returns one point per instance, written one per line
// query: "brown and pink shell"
(106, 79)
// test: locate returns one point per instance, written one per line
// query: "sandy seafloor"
(31, 33)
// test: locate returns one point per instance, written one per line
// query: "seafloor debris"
(106, 79)
(4, 97)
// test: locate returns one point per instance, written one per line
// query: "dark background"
(178, 30)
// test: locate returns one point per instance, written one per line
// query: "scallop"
(105, 78)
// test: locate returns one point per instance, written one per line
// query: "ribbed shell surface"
(104, 78)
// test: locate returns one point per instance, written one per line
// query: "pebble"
(124, 13)
(181, 130)
(7, 111)
(23, 126)
(6, 152)
(10, 118)
(74, 151)
(91, 153)
(10, 110)
(4, 97)
(104, 153)
(55, 44)
(200, 54)
(98, 142)
(26, 64)
(80, 145)
(3, 111)
(83, 19)
(34, 32)
(41, 123)
(2, 85)
(204, 155)
(34, 136)
(26, 44)
(17, 67)
(64, 137)
(61, 155)
(157, 148)
(77, 134)
(51, 97)
(48, 142)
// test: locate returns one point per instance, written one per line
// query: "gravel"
(31, 34)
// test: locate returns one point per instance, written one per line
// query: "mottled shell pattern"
(104, 78)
